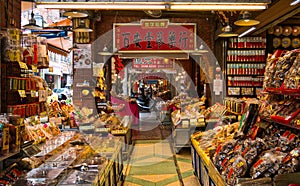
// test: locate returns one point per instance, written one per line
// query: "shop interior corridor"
(153, 160)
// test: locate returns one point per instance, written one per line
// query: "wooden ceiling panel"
(275, 14)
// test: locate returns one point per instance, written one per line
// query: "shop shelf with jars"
(245, 64)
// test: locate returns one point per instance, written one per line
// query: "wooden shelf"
(261, 48)
(233, 63)
(245, 62)
(105, 53)
(283, 124)
(245, 75)
(8, 155)
(248, 86)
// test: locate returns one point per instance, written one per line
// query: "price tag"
(22, 93)
(33, 93)
(34, 68)
(23, 65)
(88, 127)
(43, 113)
(101, 130)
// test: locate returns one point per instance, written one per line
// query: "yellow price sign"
(34, 68)
(33, 93)
(22, 93)
(23, 65)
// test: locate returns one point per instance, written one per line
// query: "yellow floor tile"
(154, 178)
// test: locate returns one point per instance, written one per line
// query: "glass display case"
(83, 159)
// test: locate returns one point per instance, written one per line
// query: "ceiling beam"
(278, 21)
(277, 13)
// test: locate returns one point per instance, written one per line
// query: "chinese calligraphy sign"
(154, 35)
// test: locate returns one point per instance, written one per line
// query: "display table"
(110, 173)
(181, 136)
(126, 135)
(204, 169)
(208, 175)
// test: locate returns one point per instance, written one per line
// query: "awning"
(64, 22)
(60, 45)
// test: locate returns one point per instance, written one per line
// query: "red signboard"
(152, 63)
(154, 35)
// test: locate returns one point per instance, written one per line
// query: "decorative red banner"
(154, 35)
(152, 63)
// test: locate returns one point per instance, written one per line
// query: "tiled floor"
(153, 162)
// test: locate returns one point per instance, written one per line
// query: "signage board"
(154, 35)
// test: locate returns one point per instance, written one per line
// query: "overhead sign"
(158, 75)
(154, 36)
(152, 63)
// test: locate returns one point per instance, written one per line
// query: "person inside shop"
(149, 92)
(142, 89)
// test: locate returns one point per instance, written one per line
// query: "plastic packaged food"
(237, 169)
(267, 165)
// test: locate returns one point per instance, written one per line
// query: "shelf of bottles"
(245, 65)
(246, 69)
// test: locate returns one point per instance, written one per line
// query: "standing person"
(150, 91)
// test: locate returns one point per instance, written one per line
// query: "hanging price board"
(22, 93)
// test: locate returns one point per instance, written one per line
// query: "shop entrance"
(150, 87)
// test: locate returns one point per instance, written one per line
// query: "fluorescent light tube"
(247, 31)
(224, 6)
(104, 6)
(294, 2)
(151, 6)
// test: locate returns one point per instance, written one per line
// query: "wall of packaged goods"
(262, 148)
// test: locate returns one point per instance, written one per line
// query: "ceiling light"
(75, 14)
(32, 22)
(247, 31)
(153, 5)
(246, 20)
(218, 6)
(104, 6)
(227, 32)
(82, 27)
